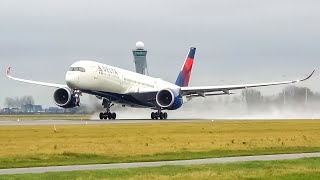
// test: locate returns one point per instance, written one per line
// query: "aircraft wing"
(33, 82)
(208, 90)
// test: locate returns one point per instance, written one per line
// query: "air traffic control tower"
(140, 59)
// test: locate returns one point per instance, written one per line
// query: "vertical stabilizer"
(185, 73)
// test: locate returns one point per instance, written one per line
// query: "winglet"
(308, 76)
(8, 72)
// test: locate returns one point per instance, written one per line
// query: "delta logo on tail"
(185, 73)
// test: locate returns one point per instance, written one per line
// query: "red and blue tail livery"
(185, 73)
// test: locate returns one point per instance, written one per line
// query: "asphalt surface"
(156, 164)
(117, 121)
(61, 122)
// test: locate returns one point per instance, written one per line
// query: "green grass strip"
(69, 158)
(307, 168)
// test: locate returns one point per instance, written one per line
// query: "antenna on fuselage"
(140, 58)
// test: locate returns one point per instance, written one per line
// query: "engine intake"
(165, 98)
(65, 98)
(169, 99)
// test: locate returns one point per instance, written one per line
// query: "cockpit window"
(81, 69)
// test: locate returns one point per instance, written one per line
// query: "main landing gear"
(159, 115)
(107, 114)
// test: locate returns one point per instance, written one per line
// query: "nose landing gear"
(77, 96)
(107, 114)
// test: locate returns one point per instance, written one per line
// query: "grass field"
(45, 117)
(287, 169)
(24, 146)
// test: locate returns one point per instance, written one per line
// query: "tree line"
(18, 102)
(289, 96)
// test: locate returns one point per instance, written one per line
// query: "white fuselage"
(94, 76)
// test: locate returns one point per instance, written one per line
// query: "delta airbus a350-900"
(115, 85)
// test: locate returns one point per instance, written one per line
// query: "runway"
(117, 121)
(74, 122)
(156, 164)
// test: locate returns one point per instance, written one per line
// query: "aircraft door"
(96, 72)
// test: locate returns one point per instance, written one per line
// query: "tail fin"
(185, 73)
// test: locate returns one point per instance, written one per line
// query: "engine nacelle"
(169, 99)
(65, 98)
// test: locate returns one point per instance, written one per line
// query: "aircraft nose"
(72, 79)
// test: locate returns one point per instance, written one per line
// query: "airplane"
(127, 88)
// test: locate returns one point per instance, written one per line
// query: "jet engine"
(66, 98)
(169, 99)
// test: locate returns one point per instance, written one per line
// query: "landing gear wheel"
(114, 115)
(165, 115)
(109, 115)
(105, 115)
(159, 115)
(153, 115)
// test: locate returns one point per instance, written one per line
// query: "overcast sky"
(243, 41)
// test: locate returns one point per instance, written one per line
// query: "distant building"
(15, 110)
(28, 108)
(54, 110)
(31, 108)
(6, 110)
